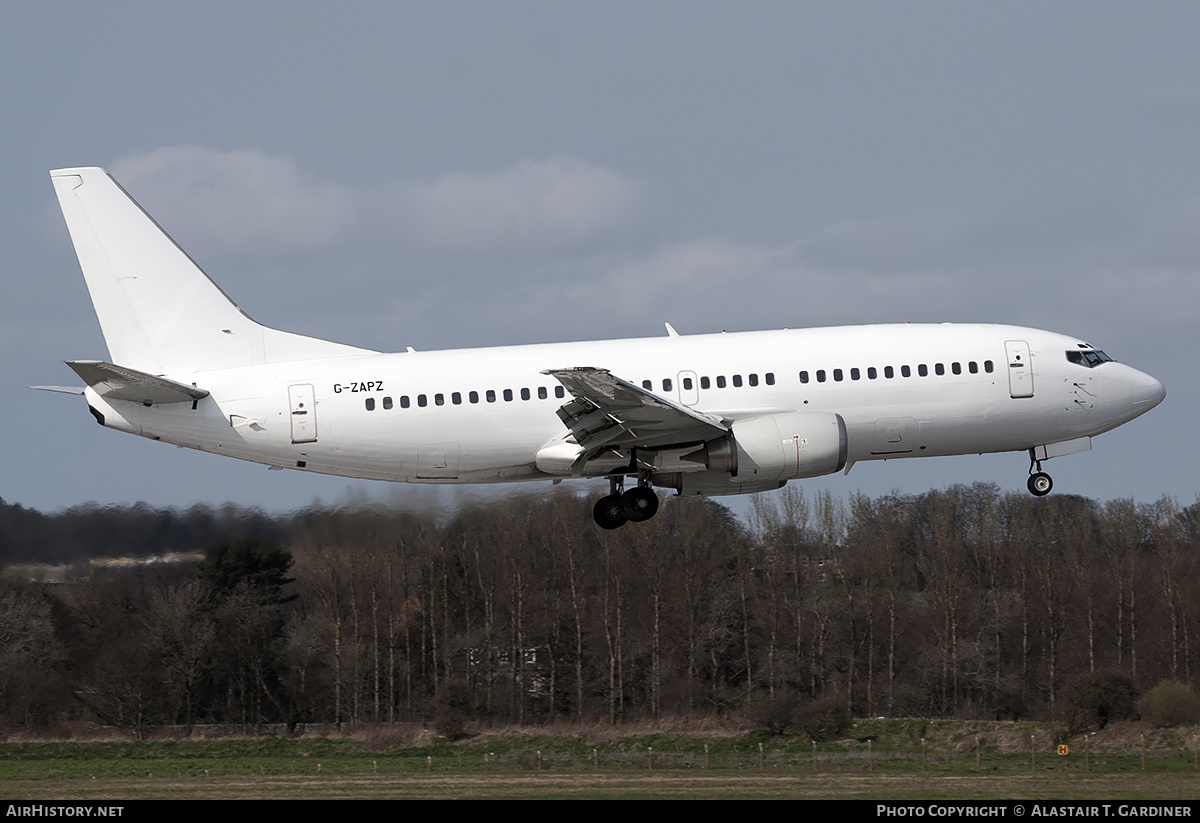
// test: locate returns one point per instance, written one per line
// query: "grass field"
(897, 760)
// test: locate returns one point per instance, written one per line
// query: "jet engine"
(777, 447)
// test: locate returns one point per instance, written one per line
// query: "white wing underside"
(606, 412)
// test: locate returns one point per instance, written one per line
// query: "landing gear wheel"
(609, 512)
(640, 502)
(1040, 484)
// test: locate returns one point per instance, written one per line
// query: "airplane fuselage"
(482, 415)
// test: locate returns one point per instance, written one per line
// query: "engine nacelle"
(778, 447)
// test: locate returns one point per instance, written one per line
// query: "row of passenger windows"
(456, 398)
(905, 371)
(687, 384)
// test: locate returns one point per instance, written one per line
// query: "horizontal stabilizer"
(119, 383)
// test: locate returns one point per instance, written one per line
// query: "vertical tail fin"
(160, 313)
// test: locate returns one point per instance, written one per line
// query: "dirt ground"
(665, 785)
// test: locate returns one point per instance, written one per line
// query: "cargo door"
(894, 435)
(437, 460)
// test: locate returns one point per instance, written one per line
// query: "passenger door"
(1020, 368)
(304, 413)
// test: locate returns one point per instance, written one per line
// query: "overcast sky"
(467, 174)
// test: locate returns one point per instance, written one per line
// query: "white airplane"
(706, 414)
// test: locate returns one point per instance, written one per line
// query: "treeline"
(83, 533)
(964, 602)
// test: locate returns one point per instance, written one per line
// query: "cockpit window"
(1091, 358)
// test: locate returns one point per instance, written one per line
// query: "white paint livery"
(702, 414)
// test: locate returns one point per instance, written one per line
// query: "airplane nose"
(1146, 393)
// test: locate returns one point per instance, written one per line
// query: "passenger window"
(889, 372)
(803, 377)
(837, 375)
(491, 395)
(923, 370)
(473, 397)
(872, 373)
(855, 374)
(720, 381)
(737, 381)
(421, 401)
(387, 402)
(973, 367)
(666, 384)
(988, 366)
(456, 398)
(542, 393)
(524, 394)
(508, 395)
(439, 400)
(939, 368)
(754, 380)
(370, 404)
(905, 371)
(647, 385)
(404, 401)
(956, 368)
(687, 383)
(560, 392)
(820, 375)
(770, 378)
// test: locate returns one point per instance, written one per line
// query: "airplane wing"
(120, 383)
(608, 412)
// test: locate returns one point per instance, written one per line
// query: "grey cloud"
(923, 267)
(532, 207)
(248, 203)
(238, 203)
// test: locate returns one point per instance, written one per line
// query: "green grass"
(501, 763)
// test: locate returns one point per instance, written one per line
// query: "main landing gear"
(1039, 482)
(618, 507)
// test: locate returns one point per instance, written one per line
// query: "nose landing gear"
(1039, 482)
